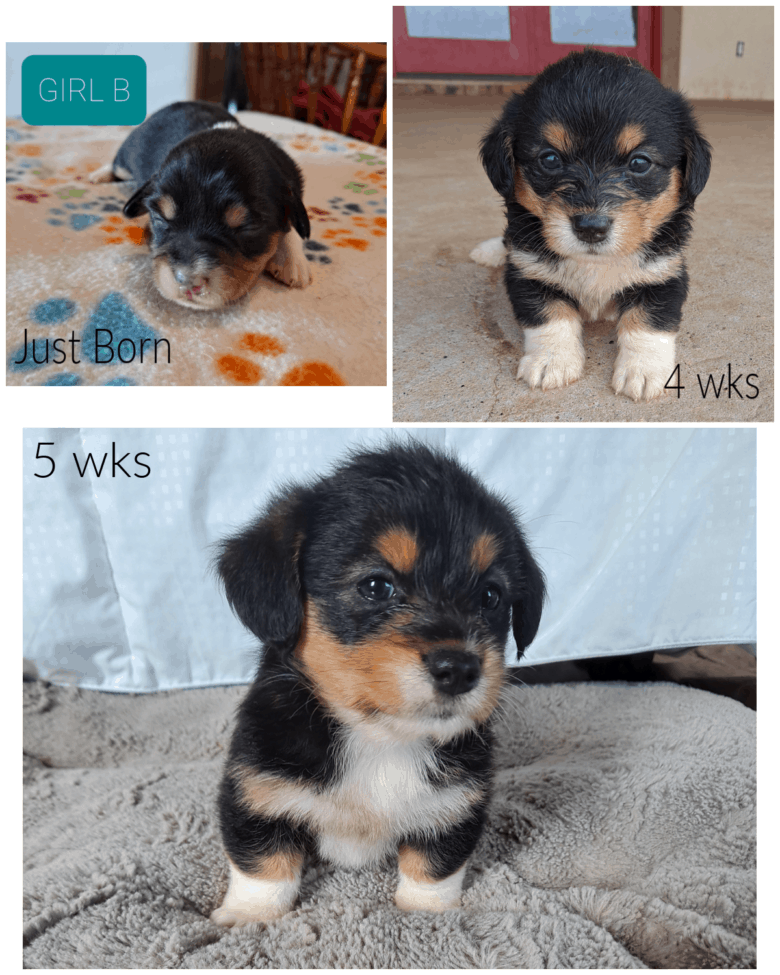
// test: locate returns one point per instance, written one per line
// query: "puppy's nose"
(591, 227)
(453, 671)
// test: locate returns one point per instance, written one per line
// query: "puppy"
(599, 166)
(383, 595)
(224, 204)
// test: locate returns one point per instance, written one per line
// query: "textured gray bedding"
(621, 835)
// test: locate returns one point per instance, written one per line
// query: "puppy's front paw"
(644, 365)
(103, 175)
(251, 899)
(429, 895)
(289, 264)
(554, 355)
(490, 253)
(551, 370)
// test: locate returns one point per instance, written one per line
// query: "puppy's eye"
(491, 597)
(550, 161)
(639, 165)
(376, 588)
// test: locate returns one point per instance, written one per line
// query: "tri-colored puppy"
(224, 203)
(383, 595)
(599, 166)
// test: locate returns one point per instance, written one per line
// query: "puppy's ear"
(259, 570)
(498, 159)
(696, 166)
(136, 205)
(296, 213)
(527, 611)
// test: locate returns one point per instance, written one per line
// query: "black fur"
(177, 154)
(314, 546)
(593, 96)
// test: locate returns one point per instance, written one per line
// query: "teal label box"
(83, 89)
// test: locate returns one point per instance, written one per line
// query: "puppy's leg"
(289, 263)
(419, 891)
(553, 354)
(431, 869)
(490, 253)
(646, 356)
(103, 175)
(264, 894)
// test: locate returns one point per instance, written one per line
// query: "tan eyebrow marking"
(167, 207)
(483, 551)
(235, 216)
(399, 547)
(631, 136)
(558, 136)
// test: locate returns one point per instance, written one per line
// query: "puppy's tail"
(491, 253)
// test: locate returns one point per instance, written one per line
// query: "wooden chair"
(273, 74)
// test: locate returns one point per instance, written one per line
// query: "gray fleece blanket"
(620, 835)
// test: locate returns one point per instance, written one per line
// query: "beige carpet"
(621, 835)
(77, 269)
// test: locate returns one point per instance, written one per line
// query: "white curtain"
(647, 539)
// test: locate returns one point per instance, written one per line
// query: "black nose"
(182, 275)
(453, 671)
(591, 227)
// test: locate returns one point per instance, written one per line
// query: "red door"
(528, 51)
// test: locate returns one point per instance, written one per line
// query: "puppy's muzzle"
(591, 228)
(454, 671)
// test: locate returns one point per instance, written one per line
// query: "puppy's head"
(217, 211)
(390, 585)
(600, 155)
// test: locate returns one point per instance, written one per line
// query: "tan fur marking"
(284, 865)
(526, 197)
(399, 547)
(235, 216)
(414, 865)
(483, 552)
(365, 678)
(592, 280)
(557, 135)
(630, 137)
(167, 207)
(634, 319)
(636, 221)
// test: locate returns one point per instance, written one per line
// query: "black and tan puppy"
(224, 203)
(383, 595)
(599, 166)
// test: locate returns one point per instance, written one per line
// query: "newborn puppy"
(383, 594)
(224, 203)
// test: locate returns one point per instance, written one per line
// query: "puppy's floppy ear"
(498, 158)
(696, 164)
(527, 611)
(136, 205)
(259, 570)
(296, 213)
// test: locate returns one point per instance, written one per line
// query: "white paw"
(103, 175)
(251, 899)
(434, 895)
(554, 355)
(289, 264)
(644, 364)
(490, 253)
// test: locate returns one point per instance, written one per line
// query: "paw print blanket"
(82, 308)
